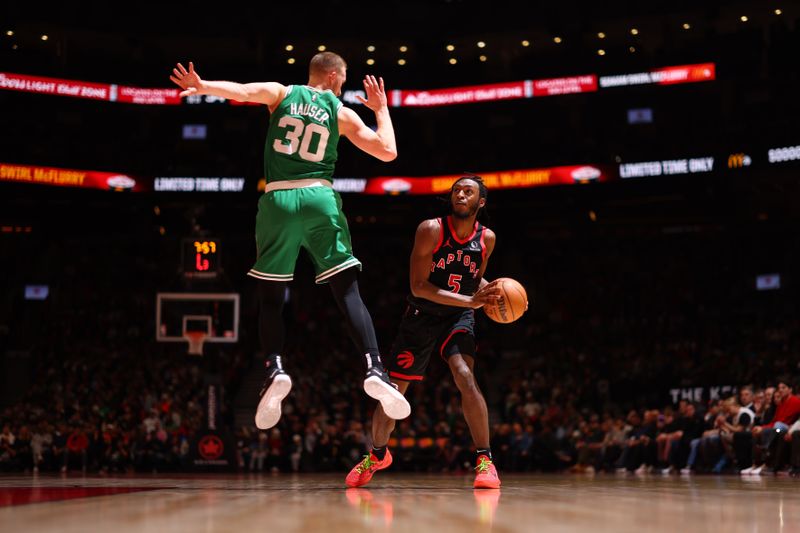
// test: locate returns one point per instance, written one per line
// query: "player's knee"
(271, 293)
(463, 377)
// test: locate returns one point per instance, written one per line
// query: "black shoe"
(276, 387)
(378, 385)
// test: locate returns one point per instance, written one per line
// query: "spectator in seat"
(691, 426)
(40, 445)
(77, 447)
(739, 419)
(747, 397)
(7, 450)
(612, 443)
(589, 446)
(767, 411)
(787, 412)
(669, 437)
(259, 450)
(23, 450)
(708, 447)
(521, 442)
(640, 452)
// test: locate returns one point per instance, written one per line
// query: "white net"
(195, 340)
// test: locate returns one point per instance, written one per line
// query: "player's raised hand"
(376, 95)
(189, 80)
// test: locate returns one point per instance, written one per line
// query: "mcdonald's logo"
(739, 160)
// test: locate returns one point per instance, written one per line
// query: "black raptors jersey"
(455, 265)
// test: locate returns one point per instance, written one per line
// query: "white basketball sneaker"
(276, 388)
(378, 386)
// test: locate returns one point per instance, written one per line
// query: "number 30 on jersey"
(300, 134)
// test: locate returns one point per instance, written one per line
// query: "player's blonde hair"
(325, 62)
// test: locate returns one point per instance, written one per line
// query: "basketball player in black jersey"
(447, 265)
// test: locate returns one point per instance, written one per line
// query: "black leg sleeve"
(271, 296)
(345, 291)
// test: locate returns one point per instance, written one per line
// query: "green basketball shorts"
(308, 217)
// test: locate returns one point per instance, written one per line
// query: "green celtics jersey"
(302, 137)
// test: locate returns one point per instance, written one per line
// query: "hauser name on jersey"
(309, 110)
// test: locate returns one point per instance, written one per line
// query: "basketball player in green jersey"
(301, 209)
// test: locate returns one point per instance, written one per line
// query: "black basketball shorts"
(421, 333)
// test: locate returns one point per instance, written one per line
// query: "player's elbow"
(417, 289)
(388, 154)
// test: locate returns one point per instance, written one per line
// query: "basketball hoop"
(195, 340)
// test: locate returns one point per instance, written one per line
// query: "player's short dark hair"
(483, 192)
(325, 62)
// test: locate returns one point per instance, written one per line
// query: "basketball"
(512, 304)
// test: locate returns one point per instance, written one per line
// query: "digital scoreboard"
(201, 258)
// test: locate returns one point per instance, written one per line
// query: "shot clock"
(201, 258)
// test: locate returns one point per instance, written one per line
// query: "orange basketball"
(512, 304)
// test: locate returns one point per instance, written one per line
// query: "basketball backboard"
(215, 315)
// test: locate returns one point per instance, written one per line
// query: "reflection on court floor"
(401, 502)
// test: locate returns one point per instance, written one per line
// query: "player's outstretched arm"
(267, 93)
(425, 243)
(381, 142)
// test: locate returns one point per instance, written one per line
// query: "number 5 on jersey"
(454, 282)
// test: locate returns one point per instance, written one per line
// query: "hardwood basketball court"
(401, 502)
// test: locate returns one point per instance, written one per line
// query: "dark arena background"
(643, 167)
